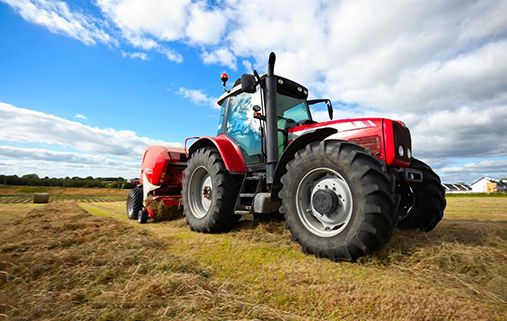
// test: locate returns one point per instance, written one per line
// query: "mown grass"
(458, 271)
(58, 262)
(61, 263)
(21, 190)
(468, 195)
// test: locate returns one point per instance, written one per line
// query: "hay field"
(87, 261)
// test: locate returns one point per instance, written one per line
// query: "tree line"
(90, 182)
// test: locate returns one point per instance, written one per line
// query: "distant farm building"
(457, 188)
(489, 185)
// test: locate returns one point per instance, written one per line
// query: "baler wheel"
(142, 216)
(134, 202)
(337, 201)
(209, 193)
(428, 201)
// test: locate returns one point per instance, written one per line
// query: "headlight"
(401, 151)
(409, 153)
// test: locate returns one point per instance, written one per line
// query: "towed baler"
(161, 180)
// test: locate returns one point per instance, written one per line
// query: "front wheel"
(424, 202)
(209, 193)
(337, 201)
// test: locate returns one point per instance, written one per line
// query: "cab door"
(243, 128)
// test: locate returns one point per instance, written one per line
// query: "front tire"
(209, 193)
(134, 202)
(337, 201)
(426, 200)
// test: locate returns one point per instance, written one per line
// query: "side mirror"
(330, 109)
(248, 83)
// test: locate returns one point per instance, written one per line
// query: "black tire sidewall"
(197, 161)
(356, 188)
(135, 201)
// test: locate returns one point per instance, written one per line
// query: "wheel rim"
(200, 192)
(330, 224)
(130, 206)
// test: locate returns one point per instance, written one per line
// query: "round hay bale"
(41, 198)
(162, 212)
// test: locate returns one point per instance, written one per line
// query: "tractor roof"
(284, 86)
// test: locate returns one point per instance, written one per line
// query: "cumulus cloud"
(58, 17)
(28, 126)
(222, 56)
(80, 116)
(39, 154)
(10, 166)
(185, 20)
(198, 97)
(472, 171)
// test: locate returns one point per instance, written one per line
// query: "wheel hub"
(200, 192)
(324, 202)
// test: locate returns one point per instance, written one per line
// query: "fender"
(230, 151)
(300, 142)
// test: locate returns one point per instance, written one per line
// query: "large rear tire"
(425, 201)
(209, 193)
(337, 200)
(134, 202)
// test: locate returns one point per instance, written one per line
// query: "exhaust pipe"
(271, 121)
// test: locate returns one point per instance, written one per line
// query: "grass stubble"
(58, 262)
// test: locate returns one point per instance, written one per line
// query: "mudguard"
(230, 151)
(298, 143)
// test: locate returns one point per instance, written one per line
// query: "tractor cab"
(242, 117)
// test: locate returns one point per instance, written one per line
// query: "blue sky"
(86, 85)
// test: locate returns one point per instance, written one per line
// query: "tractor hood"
(387, 139)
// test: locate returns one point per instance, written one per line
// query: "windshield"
(292, 108)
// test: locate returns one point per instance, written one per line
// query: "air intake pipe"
(271, 121)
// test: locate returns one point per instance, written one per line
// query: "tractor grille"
(401, 137)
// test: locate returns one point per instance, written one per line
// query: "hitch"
(412, 175)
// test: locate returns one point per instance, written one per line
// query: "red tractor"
(341, 185)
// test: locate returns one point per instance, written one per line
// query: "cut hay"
(163, 212)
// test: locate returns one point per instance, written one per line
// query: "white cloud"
(38, 154)
(205, 27)
(135, 55)
(248, 66)
(142, 21)
(222, 56)
(58, 17)
(29, 126)
(80, 116)
(198, 97)
(472, 171)
(171, 54)
(61, 169)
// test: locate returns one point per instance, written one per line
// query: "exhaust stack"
(271, 121)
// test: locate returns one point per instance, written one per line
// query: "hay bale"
(41, 198)
(162, 212)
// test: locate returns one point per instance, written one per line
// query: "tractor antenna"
(224, 79)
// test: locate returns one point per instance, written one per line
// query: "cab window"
(243, 128)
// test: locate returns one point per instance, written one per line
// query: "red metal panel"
(361, 131)
(163, 165)
(390, 149)
(230, 151)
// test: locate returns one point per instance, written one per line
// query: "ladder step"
(241, 212)
(252, 178)
(247, 194)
